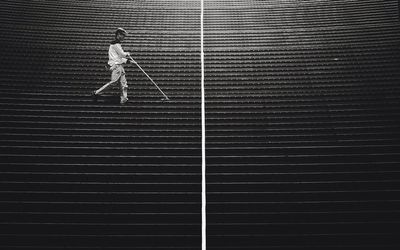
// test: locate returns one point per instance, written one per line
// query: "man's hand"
(130, 59)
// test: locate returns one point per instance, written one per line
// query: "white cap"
(122, 31)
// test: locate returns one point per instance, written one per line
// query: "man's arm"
(118, 49)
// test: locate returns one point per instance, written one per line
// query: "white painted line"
(203, 138)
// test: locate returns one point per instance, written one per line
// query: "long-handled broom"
(165, 96)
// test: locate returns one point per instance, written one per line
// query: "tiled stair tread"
(285, 41)
(287, 53)
(63, 125)
(82, 46)
(271, 35)
(325, 74)
(286, 101)
(180, 85)
(291, 150)
(221, 106)
(320, 10)
(275, 34)
(263, 86)
(275, 126)
(108, 99)
(38, 112)
(156, 133)
(221, 147)
(186, 113)
(232, 169)
(278, 15)
(173, 142)
(272, 51)
(84, 100)
(131, 10)
(165, 28)
(112, 101)
(118, 217)
(99, 56)
(149, 136)
(190, 28)
(174, 64)
(185, 70)
(112, 169)
(294, 102)
(307, 65)
(287, 4)
(98, 144)
(232, 68)
(215, 133)
(321, 71)
(296, 12)
(249, 15)
(296, 128)
(108, 149)
(252, 141)
(293, 39)
(292, 55)
(250, 27)
(302, 43)
(93, 151)
(224, 92)
(140, 186)
(312, 34)
(308, 168)
(309, 69)
(290, 180)
(295, 49)
(283, 141)
(306, 92)
(228, 102)
(302, 158)
(325, 14)
(266, 84)
(101, 6)
(93, 158)
(175, 19)
(309, 79)
(183, 18)
(218, 125)
(97, 176)
(255, 19)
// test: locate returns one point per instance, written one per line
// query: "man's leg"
(115, 76)
(124, 89)
(105, 86)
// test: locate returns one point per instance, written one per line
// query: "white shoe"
(124, 100)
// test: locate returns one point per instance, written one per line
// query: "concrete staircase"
(302, 110)
(303, 146)
(78, 174)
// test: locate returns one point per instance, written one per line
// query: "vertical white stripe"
(203, 138)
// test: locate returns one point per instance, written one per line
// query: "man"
(117, 57)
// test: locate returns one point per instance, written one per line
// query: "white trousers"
(117, 75)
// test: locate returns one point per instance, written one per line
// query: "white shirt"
(116, 55)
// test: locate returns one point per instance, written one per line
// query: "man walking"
(116, 58)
